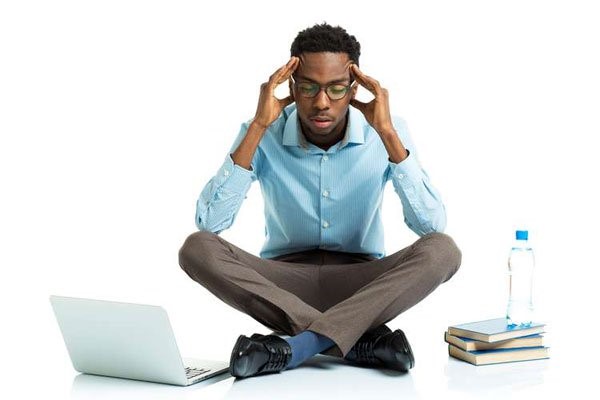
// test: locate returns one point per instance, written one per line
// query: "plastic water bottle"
(520, 268)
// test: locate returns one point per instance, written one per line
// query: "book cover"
(498, 356)
(473, 345)
(494, 330)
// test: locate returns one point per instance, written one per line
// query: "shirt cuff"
(407, 168)
(235, 178)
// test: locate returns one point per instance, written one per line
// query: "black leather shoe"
(259, 355)
(389, 350)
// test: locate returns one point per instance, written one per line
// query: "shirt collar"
(292, 134)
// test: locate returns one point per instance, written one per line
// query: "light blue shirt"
(317, 199)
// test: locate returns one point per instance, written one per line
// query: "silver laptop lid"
(119, 339)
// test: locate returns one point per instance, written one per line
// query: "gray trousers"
(338, 295)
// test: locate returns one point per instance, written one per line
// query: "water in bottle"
(520, 268)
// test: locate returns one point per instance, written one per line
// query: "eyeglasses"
(335, 91)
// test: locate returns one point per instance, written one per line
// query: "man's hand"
(269, 106)
(377, 111)
(377, 114)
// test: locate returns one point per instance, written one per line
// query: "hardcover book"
(494, 330)
(497, 356)
(472, 345)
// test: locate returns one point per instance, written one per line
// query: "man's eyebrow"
(340, 80)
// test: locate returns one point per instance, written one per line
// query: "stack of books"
(493, 341)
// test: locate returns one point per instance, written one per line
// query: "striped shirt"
(322, 199)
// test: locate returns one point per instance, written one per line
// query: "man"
(323, 277)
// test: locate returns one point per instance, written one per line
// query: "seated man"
(322, 276)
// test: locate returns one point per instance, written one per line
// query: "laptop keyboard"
(194, 372)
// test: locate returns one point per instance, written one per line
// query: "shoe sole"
(407, 349)
(234, 354)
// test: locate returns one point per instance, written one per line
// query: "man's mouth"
(321, 122)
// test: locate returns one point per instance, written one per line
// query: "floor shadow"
(500, 379)
(103, 387)
(326, 376)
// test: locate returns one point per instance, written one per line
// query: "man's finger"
(366, 81)
(278, 71)
(286, 101)
(359, 105)
(288, 70)
(283, 73)
(275, 74)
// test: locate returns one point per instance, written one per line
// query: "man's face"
(322, 119)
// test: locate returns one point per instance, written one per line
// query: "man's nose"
(321, 101)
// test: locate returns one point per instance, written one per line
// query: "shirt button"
(325, 157)
(326, 194)
(226, 173)
(400, 176)
(325, 224)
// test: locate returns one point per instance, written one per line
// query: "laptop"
(124, 340)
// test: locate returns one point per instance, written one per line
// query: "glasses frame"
(324, 87)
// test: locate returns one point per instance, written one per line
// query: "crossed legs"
(337, 295)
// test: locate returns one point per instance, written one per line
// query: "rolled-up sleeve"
(222, 197)
(422, 205)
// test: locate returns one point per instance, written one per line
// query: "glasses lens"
(336, 92)
(308, 89)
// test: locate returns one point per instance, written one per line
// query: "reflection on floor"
(331, 377)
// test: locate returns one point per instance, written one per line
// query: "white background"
(114, 114)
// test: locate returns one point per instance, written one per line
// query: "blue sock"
(305, 345)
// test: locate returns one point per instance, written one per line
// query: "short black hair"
(326, 38)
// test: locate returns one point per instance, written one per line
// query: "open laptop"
(125, 340)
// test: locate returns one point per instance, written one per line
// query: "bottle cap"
(522, 235)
